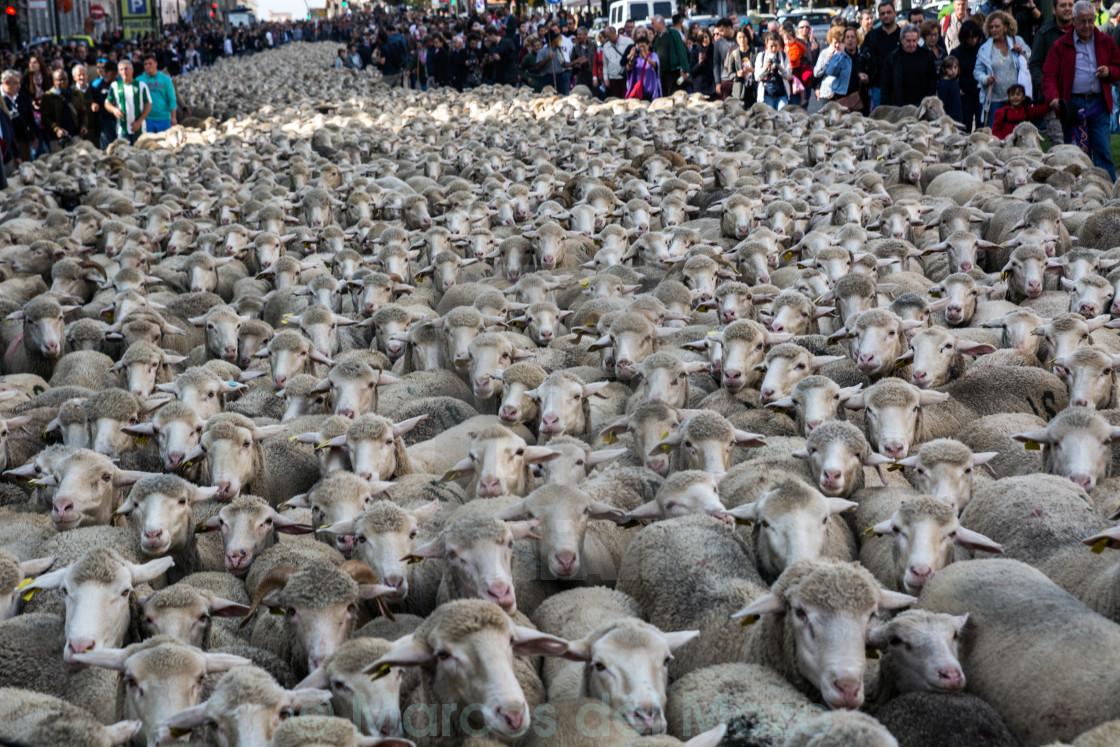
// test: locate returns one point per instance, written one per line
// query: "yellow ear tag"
(632, 523)
(712, 333)
(831, 341)
(901, 363)
(176, 733)
(201, 528)
(748, 620)
(664, 436)
(419, 279)
(1003, 275)
(742, 522)
(414, 559)
(23, 585)
(140, 440)
(817, 300)
(585, 282)
(34, 481)
(382, 671)
(610, 438)
(787, 256)
(293, 438)
(666, 448)
(868, 531)
(872, 652)
(109, 317)
(275, 611)
(894, 468)
(703, 308)
(452, 475)
(1032, 446)
(187, 465)
(935, 294)
(1098, 546)
(319, 446)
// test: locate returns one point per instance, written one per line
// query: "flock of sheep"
(490, 417)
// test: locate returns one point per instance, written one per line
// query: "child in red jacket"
(1016, 111)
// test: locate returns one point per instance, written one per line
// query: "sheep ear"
(839, 505)
(317, 680)
(817, 361)
(32, 568)
(1041, 436)
(264, 431)
(744, 438)
(883, 527)
(144, 572)
(320, 358)
(710, 738)
(406, 652)
(122, 731)
(464, 467)
(602, 342)
(300, 500)
(975, 541)
(747, 512)
(651, 510)
(767, 604)
(296, 700)
(516, 512)
(140, 429)
(128, 477)
(879, 636)
(185, 720)
(679, 638)
(973, 348)
(893, 600)
(855, 402)
(216, 662)
(610, 433)
(425, 512)
(595, 389)
(606, 512)
(875, 460)
(982, 457)
(929, 397)
(225, 608)
(601, 455)
(385, 379)
(910, 461)
(403, 427)
(529, 642)
(524, 529)
(105, 658)
(539, 454)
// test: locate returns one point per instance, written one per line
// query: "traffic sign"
(480, 6)
(96, 12)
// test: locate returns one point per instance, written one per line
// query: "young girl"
(1018, 110)
(773, 71)
(949, 89)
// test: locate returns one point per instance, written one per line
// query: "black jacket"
(703, 73)
(1043, 40)
(23, 120)
(877, 45)
(908, 78)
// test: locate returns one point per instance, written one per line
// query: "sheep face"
(829, 639)
(920, 651)
(501, 460)
(924, 534)
(791, 523)
(86, 486)
(487, 354)
(222, 326)
(892, 419)
(563, 401)
(97, 589)
(249, 526)
(785, 365)
(384, 538)
(517, 405)
(233, 455)
(836, 457)
(1089, 374)
(164, 515)
(944, 469)
(353, 388)
(565, 513)
(1076, 445)
(936, 350)
(1089, 296)
(877, 342)
(160, 680)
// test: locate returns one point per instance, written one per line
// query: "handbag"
(797, 86)
(638, 90)
(853, 102)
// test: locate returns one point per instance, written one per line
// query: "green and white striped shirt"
(130, 99)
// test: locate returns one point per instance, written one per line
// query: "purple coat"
(647, 69)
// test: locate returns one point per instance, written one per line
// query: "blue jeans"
(1114, 119)
(563, 82)
(777, 102)
(1100, 141)
(992, 107)
(40, 147)
(876, 96)
(157, 125)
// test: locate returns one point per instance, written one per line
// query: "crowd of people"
(996, 67)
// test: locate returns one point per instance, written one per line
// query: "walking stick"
(988, 103)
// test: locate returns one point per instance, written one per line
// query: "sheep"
(483, 641)
(371, 705)
(1007, 601)
(815, 400)
(161, 678)
(14, 572)
(931, 719)
(1075, 445)
(785, 365)
(337, 498)
(791, 522)
(237, 461)
(186, 610)
(627, 659)
(86, 489)
(565, 403)
(246, 706)
(38, 718)
(374, 445)
(944, 468)
(164, 521)
(937, 356)
(498, 462)
(1090, 376)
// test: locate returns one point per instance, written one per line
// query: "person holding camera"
(64, 112)
(774, 72)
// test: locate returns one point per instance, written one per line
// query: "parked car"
(819, 21)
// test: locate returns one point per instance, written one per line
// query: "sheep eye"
(411, 535)
(520, 452)
(895, 641)
(209, 395)
(600, 666)
(246, 444)
(182, 501)
(801, 614)
(106, 477)
(443, 655)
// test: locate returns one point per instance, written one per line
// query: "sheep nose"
(565, 562)
(80, 645)
(174, 459)
(367, 308)
(346, 412)
(500, 593)
(767, 395)
(152, 535)
(394, 581)
(950, 677)
(920, 574)
(196, 289)
(1079, 402)
(546, 334)
(236, 560)
(966, 266)
(731, 376)
(549, 423)
(777, 327)
(1087, 310)
(646, 721)
(812, 425)
(1083, 481)
(1033, 286)
(729, 316)
(830, 477)
(894, 451)
(919, 377)
(223, 488)
(280, 381)
(850, 689)
(228, 354)
(490, 486)
(513, 715)
(50, 348)
(62, 507)
(509, 413)
(344, 543)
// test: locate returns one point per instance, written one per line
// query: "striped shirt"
(130, 99)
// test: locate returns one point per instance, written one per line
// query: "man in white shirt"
(614, 66)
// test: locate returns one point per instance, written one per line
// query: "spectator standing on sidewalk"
(162, 90)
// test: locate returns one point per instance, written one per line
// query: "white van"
(640, 11)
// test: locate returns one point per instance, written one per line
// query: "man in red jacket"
(1079, 72)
